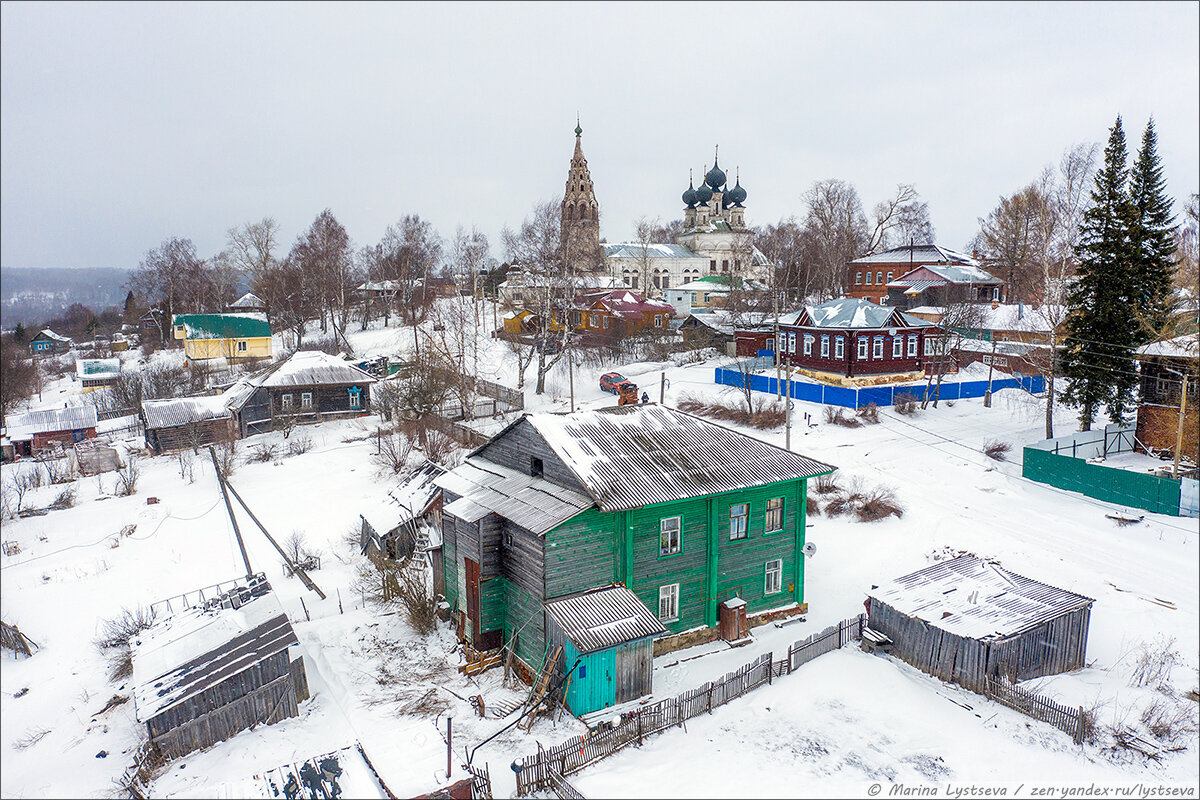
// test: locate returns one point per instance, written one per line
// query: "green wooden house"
(683, 512)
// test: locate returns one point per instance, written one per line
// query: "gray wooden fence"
(541, 771)
(1073, 722)
(481, 782)
(12, 638)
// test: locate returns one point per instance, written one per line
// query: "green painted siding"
(581, 553)
(687, 568)
(491, 604)
(593, 684)
(526, 617)
(742, 562)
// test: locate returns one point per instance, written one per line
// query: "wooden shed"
(607, 636)
(966, 620)
(205, 674)
(34, 432)
(182, 423)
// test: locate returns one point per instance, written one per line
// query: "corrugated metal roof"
(638, 250)
(417, 491)
(969, 597)
(535, 504)
(604, 618)
(314, 368)
(636, 455)
(71, 418)
(922, 253)
(223, 326)
(1180, 347)
(169, 413)
(197, 649)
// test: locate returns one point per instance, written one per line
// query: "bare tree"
(322, 255)
(902, 214)
(171, 277)
(783, 245)
(959, 321)
(1187, 270)
(18, 375)
(835, 233)
(412, 249)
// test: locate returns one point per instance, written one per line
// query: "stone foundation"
(682, 641)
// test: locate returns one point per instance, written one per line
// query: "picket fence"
(879, 395)
(12, 638)
(546, 770)
(1073, 722)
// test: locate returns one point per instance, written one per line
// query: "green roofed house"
(236, 337)
(682, 512)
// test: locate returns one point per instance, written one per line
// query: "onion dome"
(689, 197)
(703, 194)
(715, 178)
(737, 195)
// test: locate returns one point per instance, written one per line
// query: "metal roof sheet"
(49, 334)
(484, 487)
(190, 652)
(169, 413)
(604, 618)
(1180, 347)
(417, 491)
(969, 597)
(636, 455)
(97, 368)
(916, 255)
(315, 368)
(223, 326)
(46, 420)
(638, 250)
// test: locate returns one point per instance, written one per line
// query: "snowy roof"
(49, 334)
(852, 312)
(638, 250)
(98, 368)
(625, 302)
(312, 368)
(920, 254)
(47, 420)
(636, 455)
(969, 597)
(174, 411)
(223, 326)
(381, 286)
(192, 651)
(603, 618)
(535, 504)
(703, 285)
(417, 491)
(248, 300)
(1180, 347)
(1007, 317)
(949, 273)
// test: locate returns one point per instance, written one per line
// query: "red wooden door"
(473, 597)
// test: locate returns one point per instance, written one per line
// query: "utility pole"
(787, 412)
(229, 507)
(1183, 379)
(662, 388)
(778, 347)
(571, 375)
(987, 396)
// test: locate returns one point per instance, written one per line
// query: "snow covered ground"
(843, 721)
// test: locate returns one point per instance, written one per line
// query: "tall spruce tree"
(1102, 326)
(1151, 238)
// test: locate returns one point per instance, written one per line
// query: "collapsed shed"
(205, 674)
(607, 635)
(966, 620)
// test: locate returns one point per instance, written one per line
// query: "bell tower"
(580, 215)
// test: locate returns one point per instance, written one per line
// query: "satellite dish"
(809, 549)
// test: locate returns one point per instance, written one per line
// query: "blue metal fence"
(879, 395)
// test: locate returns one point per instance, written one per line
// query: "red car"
(612, 382)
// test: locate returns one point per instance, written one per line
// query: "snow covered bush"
(837, 416)
(996, 449)
(905, 403)
(127, 477)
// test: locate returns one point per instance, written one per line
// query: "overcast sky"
(125, 124)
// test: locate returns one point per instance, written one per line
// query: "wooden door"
(472, 569)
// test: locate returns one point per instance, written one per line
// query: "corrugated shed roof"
(314, 368)
(190, 652)
(71, 418)
(417, 491)
(223, 326)
(174, 411)
(631, 456)
(485, 487)
(947, 273)
(920, 254)
(637, 250)
(969, 597)
(604, 618)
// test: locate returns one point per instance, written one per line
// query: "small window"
(792, 342)
(241, 345)
(535, 466)
(725, 265)
(878, 349)
(739, 516)
(774, 520)
(879, 278)
(285, 401)
(605, 325)
(824, 347)
(862, 348)
(839, 348)
(306, 400)
(770, 344)
(868, 279)
(669, 540)
(996, 293)
(594, 320)
(912, 346)
(928, 346)
(774, 580)
(858, 279)
(668, 603)
(356, 397)
(658, 320)
(808, 343)
(889, 277)
(897, 347)
(712, 265)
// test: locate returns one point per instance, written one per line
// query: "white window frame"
(604, 323)
(241, 345)
(879, 278)
(929, 346)
(773, 576)
(791, 341)
(743, 522)
(773, 511)
(995, 292)
(897, 347)
(306, 400)
(665, 546)
(355, 399)
(912, 345)
(862, 348)
(668, 603)
(770, 344)
(877, 350)
(658, 320)
(858, 279)
(824, 346)
(285, 401)
(869, 276)
(889, 280)
(808, 343)
(594, 320)
(839, 348)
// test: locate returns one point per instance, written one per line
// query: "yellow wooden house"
(235, 337)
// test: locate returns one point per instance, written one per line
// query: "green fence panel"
(1134, 489)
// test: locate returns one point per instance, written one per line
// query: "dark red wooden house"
(853, 337)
